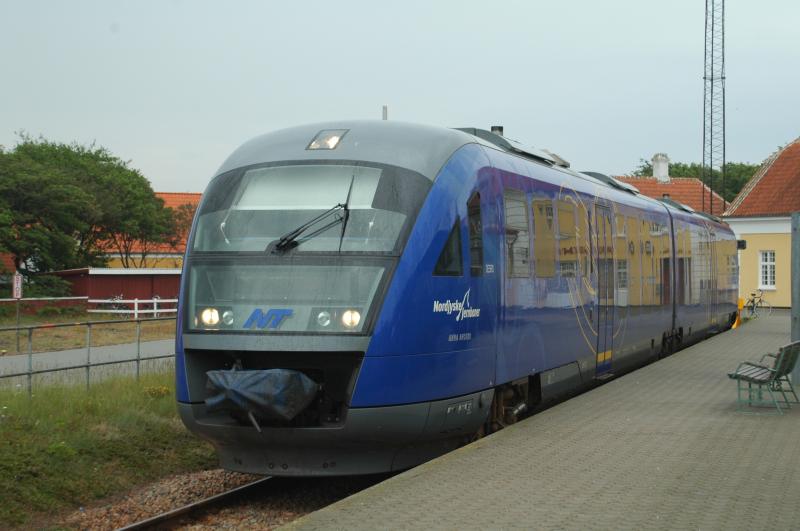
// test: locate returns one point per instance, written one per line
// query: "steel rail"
(194, 506)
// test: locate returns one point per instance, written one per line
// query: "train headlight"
(210, 317)
(351, 318)
(324, 318)
(327, 139)
(227, 317)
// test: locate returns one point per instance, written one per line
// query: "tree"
(141, 222)
(40, 213)
(67, 205)
(736, 174)
(183, 215)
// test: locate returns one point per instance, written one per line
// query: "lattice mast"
(714, 101)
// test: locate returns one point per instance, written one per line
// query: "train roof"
(420, 148)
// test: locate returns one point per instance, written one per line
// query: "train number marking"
(272, 319)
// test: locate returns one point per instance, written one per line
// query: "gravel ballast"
(276, 503)
(165, 495)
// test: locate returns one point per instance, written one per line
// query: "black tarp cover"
(268, 394)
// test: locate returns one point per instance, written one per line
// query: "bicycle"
(756, 305)
(116, 304)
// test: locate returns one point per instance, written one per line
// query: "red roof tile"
(176, 199)
(775, 188)
(686, 190)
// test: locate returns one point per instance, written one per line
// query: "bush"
(77, 311)
(47, 286)
(48, 311)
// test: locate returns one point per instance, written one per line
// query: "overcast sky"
(175, 86)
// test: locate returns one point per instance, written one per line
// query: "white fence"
(136, 307)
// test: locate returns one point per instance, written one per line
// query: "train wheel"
(667, 346)
(509, 404)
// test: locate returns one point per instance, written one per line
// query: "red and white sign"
(17, 286)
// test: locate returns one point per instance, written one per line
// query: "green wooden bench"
(752, 379)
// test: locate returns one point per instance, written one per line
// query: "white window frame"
(762, 264)
(622, 273)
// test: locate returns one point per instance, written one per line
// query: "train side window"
(584, 246)
(567, 239)
(449, 262)
(517, 234)
(620, 253)
(544, 243)
(635, 263)
(475, 235)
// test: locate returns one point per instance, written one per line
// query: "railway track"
(211, 501)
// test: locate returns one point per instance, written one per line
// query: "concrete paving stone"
(662, 447)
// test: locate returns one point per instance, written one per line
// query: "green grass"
(67, 446)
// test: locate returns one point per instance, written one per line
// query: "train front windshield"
(257, 265)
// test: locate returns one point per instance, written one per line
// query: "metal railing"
(32, 299)
(30, 372)
(20, 302)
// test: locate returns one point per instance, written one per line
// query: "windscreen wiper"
(346, 207)
(289, 239)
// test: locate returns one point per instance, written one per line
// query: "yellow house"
(761, 215)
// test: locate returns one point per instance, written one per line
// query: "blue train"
(361, 296)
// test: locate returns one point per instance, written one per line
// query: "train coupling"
(266, 395)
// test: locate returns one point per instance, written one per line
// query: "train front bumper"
(370, 440)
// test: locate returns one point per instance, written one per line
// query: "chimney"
(661, 167)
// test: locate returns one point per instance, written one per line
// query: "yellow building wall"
(168, 262)
(750, 271)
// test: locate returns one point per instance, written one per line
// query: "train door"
(604, 254)
(705, 274)
(484, 248)
(713, 288)
(514, 343)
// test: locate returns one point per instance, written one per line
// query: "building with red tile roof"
(686, 190)
(176, 199)
(774, 190)
(164, 254)
(761, 215)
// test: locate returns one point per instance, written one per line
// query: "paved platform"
(660, 448)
